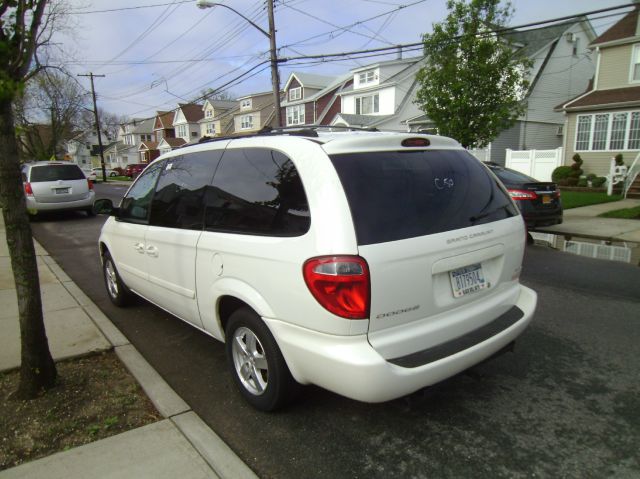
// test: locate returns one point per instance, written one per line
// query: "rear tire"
(256, 363)
(117, 291)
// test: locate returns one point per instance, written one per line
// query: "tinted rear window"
(512, 177)
(397, 195)
(55, 173)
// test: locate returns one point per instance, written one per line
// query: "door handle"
(139, 247)
(152, 251)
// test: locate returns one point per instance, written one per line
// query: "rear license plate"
(546, 199)
(467, 280)
(61, 191)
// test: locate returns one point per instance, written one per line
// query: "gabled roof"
(534, 40)
(192, 111)
(386, 63)
(165, 119)
(139, 125)
(625, 28)
(596, 99)
(221, 104)
(172, 142)
(337, 82)
(148, 145)
(310, 80)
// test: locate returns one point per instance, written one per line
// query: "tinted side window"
(55, 173)
(257, 191)
(134, 207)
(396, 195)
(178, 200)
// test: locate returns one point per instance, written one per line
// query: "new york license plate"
(468, 279)
(61, 191)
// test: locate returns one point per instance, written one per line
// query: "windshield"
(395, 195)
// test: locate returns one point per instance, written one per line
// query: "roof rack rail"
(308, 130)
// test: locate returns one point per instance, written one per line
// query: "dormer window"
(635, 64)
(367, 77)
(208, 113)
(295, 93)
(245, 104)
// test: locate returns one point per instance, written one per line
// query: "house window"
(246, 122)
(295, 93)
(245, 104)
(366, 105)
(208, 113)
(295, 115)
(367, 77)
(181, 130)
(608, 131)
(635, 64)
(211, 129)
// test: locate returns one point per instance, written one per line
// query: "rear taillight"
(90, 184)
(522, 194)
(27, 189)
(340, 284)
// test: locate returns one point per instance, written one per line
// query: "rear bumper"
(349, 366)
(82, 204)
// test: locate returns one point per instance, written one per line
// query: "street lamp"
(271, 35)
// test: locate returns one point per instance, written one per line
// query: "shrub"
(582, 182)
(560, 173)
(598, 181)
(572, 181)
(591, 176)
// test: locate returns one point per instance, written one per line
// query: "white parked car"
(90, 174)
(56, 186)
(371, 264)
(109, 172)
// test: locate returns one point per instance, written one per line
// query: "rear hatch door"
(56, 183)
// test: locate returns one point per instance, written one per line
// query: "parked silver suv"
(56, 186)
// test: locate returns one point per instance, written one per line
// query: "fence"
(538, 164)
(482, 154)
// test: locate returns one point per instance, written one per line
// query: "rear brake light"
(415, 142)
(27, 189)
(90, 184)
(523, 194)
(340, 284)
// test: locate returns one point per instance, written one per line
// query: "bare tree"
(49, 112)
(24, 28)
(110, 122)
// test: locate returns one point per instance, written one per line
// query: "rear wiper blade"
(473, 219)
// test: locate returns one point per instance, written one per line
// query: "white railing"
(599, 251)
(617, 174)
(632, 174)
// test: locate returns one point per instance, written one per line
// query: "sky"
(155, 57)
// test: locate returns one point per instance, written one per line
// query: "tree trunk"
(37, 370)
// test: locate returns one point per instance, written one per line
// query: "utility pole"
(54, 140)
(275, 78)
(95, 115)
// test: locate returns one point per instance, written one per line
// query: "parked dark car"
(134, 169)
(539, 201)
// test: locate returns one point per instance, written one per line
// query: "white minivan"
(371, 264)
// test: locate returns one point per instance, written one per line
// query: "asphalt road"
(566, 403)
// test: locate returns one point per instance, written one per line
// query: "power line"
(79, 12)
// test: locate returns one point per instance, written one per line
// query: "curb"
(218, 455)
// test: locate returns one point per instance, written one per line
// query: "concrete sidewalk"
(181, 445)
(584, 222)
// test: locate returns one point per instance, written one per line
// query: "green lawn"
(626, 213)
(574, 199)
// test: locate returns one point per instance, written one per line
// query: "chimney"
(400, 52)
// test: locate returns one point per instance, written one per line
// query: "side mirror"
(104, 206)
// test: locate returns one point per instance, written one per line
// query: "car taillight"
(522, 194)
(27, 189)
(340, 284)
(90, 184)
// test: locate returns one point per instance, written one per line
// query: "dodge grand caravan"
(371, 264)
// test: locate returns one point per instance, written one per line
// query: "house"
(185, 121)
(136, 131)
(312, 99)
(163, 126)
(83, 149)
(380, 95)
(118, 155)
(605, 119)
(254, 113)
(217, 119)
(561, 68)
(167, 144)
